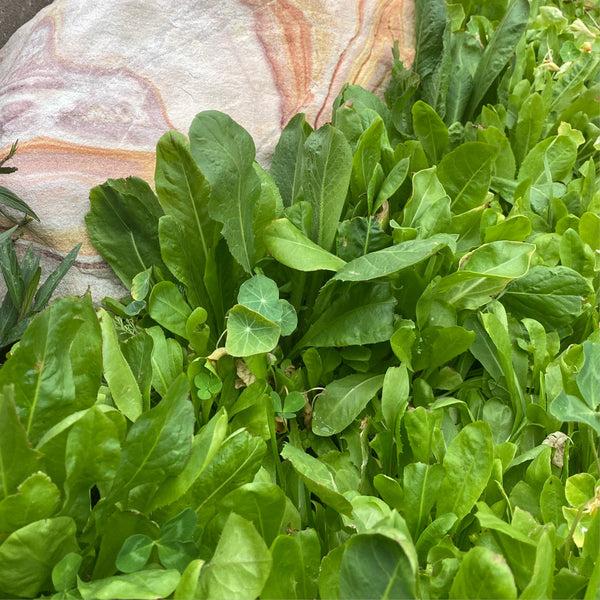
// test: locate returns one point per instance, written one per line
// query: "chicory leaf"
(168, 308)
(123, 226)
(225, 152)
(325, 178)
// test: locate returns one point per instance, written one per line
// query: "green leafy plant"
(23, 298)
(370, 372)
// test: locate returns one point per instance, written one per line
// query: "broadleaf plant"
(368, 372)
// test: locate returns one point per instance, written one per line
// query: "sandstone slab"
(89, 87)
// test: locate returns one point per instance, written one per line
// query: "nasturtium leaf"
(392, 259)
(28, 555)
(468, 466)
(553, 296)
(430, 131)
(18, 459)
(483, 574)
(261, 295)
(241, 564)
(248, 332)
(225, 152)
(121, 381)
(362, 315)
(291, 247)
(159, 443)
(289, 318)
(168, 307)
(466, 174)
(317, 478)
(375, 566)
(123, 226)
(148, 584)
(342, 401)
(327, 166)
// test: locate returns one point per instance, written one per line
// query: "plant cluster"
(371, 372)
(23, 298)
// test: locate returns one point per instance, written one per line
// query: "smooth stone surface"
(88, 89)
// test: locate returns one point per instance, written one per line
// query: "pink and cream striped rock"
(89, 87)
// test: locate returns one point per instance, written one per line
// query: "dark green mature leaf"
(183, 193)
(362, 315)
(468, 465)
(375, 566)
(325, 178)
(430, 25)
(123, 226)
(28, 555)
(292, 248)
(240, 565)
(483, 574)
(553, 296)
(225, 152)
(500, 48)
(342, 401)
(317, 478)
(286, 166)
